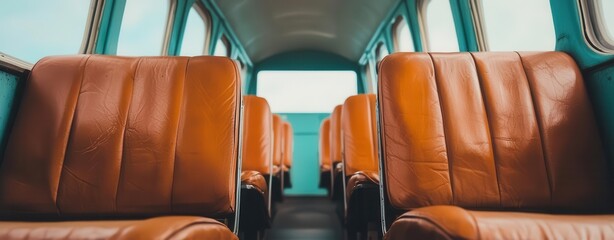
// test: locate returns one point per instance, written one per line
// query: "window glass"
(369, 77)
(381, 52)
(402, 36)
(519, 25)
(143, 27)
(607, 14)
(33, 29)
(221, 48)
(195, 33)
(306, 91)
(439, 26)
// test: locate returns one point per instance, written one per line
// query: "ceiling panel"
(269, 27)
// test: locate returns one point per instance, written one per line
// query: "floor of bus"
(305, 218)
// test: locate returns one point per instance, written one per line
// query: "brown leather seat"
(360, 162)
(324, 153)
(288, 151)
(278, 181)
(502, 134)
(335, 153)
(257, 164)
(104, 137)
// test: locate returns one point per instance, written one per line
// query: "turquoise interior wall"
(10, 85)
(305, 172)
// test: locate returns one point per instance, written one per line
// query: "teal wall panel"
(9, 86)
(600, 86)
(305, 171)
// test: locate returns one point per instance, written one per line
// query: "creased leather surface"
(324, 146)
(122, 136)
(277, 142)
(449, 222)
(288, 145)
(361, 177)
(359, 141)
(154, 228)
(490, 130)
(255, 179)
(257, 135)
(335, 135)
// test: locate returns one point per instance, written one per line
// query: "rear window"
(306, 91)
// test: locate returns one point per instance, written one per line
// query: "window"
(519, 25)
(143, 27)
(381, 52)
(403, 41)
(369, 77)
(196, 32)
(438, 24)
(33, 29)
(599, 22)
(306, 91)
(222, 47)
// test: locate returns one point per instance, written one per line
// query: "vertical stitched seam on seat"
(490, 130)
(121, 158)
(181, 101)
(540, 127)
(443, 122)
(72, 120)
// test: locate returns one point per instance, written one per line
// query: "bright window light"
(440, 29)
(306, 91)
(143, 27)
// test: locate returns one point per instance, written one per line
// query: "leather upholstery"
(450, 222)
(277, 143)
(359, 134)
(288, 145)
(117, 136)
(335, 135)
(257, 135)
(490, 130)
(179, 227)
(255, 179)
(324, 146)
(361, 177)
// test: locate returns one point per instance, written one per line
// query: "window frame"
(206, 17)
(422, 5)
(595, 34)
(395, 33)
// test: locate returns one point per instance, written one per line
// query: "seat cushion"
(450, 222)
(361, 177)
(175, 227)
(255, 179)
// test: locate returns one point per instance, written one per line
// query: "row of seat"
(472, 146)
(106, 147)
(349, 137)
(267, 160)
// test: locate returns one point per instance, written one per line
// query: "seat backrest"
(489, 131)
(288, 144)
(359, 134)
(257, 135)
(278, 131)
(117, 136)
(335, 135)
(324, 144)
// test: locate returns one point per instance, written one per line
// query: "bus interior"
(306, 119)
